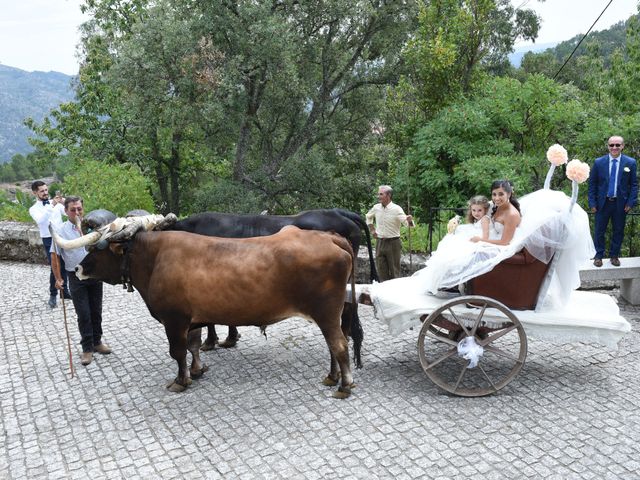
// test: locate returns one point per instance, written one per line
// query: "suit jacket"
(627, 190)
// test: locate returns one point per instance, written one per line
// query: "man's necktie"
(612, 178)
(45, 202)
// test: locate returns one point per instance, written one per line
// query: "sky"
(43, 34)
(564, 19)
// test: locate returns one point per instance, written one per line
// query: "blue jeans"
(87, 300)
(53, 291)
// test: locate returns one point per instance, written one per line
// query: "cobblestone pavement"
(261, 411)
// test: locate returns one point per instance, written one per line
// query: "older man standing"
(86, 294)
(388, 217)
(613, 192)
(43, 212)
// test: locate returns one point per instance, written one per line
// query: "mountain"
(515, 58)
(27, 94)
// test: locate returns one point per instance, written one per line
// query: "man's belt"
(611, 199)
(389, 238)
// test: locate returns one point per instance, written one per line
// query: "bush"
(118, 188)
(418, 238)
(17, 211)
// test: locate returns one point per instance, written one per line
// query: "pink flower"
(557, 155)
(577, 170)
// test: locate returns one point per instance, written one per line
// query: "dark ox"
(189, 281)
(343, 222)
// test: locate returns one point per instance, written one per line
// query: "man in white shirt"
(43, 212)
(387, 217)
(86, 294)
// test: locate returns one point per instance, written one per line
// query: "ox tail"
(355, 328)
(357, 219)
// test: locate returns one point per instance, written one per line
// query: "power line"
(585, 36)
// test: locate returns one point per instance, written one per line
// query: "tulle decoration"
(577, 171)
(469, 349)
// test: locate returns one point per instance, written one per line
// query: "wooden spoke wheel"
(494, 328)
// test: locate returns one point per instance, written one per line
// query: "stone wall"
(21, 242)
(409, 264)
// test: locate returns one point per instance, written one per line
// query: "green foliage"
(118, 188)
(31, 166)
(502, 131)
(415, 239)
(445, 60)
(17, 211)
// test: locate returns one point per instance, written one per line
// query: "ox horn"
(83, 241)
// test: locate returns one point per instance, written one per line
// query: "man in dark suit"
(613, 191)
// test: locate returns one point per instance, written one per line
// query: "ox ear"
(117, 248)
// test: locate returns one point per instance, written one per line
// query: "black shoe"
(67, 296)
(615, 261)
(53, 301)
(597, 262)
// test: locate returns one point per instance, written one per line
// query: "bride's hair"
(507, 187)
(477, 200)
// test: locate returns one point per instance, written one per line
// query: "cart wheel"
(502, 346)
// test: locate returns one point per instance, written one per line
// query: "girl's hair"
(477, 200)
(507, 187)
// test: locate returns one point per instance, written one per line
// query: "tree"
(272, 96)
(502, 131)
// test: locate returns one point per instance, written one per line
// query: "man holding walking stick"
(85, 294)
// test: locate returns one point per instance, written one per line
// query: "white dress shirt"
(388, 219)
(45, 214)
(73, 257)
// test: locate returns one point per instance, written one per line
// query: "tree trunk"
(174, 173)
(241, 149)
(161, 178)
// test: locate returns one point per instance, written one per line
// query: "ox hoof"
(330, 382)
(208, 345)
(177, 387)
(342, 393)
(228, 343)
(199, 373)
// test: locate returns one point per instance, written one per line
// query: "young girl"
(478, 221)
(478, 216)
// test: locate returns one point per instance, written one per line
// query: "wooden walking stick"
(55, 267)
(409, 233)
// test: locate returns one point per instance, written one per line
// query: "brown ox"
(189, 281)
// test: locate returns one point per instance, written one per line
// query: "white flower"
(626, 169)
(577, 170)
(557, 155)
